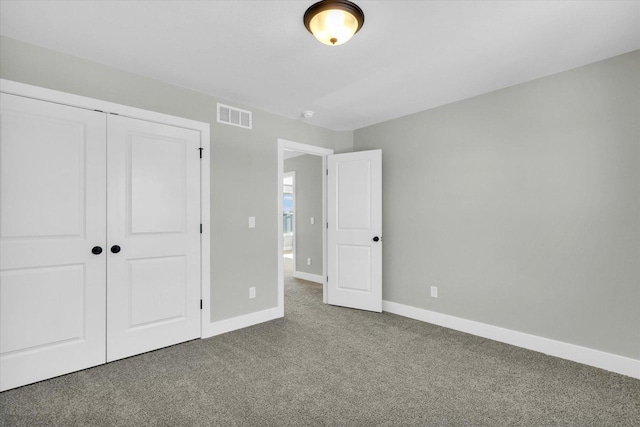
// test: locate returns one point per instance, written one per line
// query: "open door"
(354, 209)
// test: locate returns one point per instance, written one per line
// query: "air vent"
(234, 116)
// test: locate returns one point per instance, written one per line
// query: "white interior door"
(52, 213)
(354, 209)
(153, 202)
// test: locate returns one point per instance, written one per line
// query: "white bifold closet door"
(75, 186)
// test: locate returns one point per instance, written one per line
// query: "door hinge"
(200, 304)
(200, 228)
(327, 279)
(327, 171)
(200, 149)
(327, 226)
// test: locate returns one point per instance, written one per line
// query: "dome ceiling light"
(333, 22)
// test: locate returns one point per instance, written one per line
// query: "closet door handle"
(115, 249)
(96, 250)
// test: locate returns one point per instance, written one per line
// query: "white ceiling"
(408, 57)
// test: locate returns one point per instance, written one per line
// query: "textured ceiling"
(408, 57)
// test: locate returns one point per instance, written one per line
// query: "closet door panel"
(154, 217)
(52, 213)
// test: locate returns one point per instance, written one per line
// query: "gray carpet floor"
(329, 366)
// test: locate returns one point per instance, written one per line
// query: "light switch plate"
(312, 220)
(252, 222)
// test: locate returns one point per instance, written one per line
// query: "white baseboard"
(308, 276)
(228, 325)
(599, 359)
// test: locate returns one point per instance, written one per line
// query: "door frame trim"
(283, 145)
(78, 101)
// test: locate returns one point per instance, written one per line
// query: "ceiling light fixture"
(333, 22)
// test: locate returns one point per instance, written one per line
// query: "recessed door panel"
(158, 171)
(158, 291)
(36, 296)
(354, 195)
(52, 287)
(53, 177)
(153, 189)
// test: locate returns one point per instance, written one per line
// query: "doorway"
(288, 212)
(291, 149)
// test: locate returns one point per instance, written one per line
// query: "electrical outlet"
(252, 222)
(252, 292)
(308, 261)
(434, 292)
(312, 220)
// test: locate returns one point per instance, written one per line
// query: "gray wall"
(308, 200)
(243, 164)
(522, 206)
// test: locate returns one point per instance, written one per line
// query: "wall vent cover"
(234, 116)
